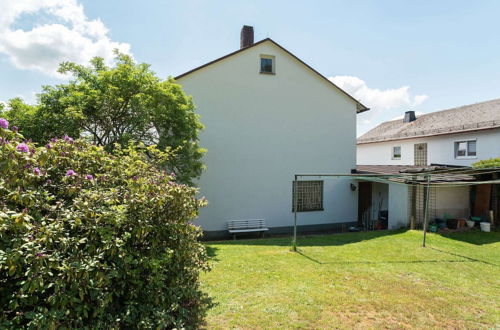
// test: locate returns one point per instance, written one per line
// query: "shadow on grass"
(212, 252)
(464, 257)
(463, 260)
(475, 237)
(324, 239)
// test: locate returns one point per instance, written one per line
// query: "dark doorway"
(364, 201)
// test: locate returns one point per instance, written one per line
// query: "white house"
(268, 116)
(453, 137)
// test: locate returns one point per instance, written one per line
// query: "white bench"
(246, 226)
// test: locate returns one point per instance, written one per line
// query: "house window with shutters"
(307, 195)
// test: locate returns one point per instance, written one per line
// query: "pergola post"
(295, 202)
(426, 213)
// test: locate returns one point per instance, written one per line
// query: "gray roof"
(478, 116)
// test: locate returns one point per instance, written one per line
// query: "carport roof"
(439, 173)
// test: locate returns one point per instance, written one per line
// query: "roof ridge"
(458, 108)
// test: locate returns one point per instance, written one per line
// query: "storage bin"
(485, 226)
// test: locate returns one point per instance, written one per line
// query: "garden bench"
(246, 226)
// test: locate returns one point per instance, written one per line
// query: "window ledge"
(269, 73)
(317, 210)
(465, 157)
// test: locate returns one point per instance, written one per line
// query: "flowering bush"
(89, 239)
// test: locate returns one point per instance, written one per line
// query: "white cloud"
(376, 98)
(384, 104)
(69, 36)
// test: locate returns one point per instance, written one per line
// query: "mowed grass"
(356, 280)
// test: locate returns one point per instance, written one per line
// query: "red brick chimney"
(246, 38)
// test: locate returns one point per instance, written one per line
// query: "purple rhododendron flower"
(37, 171)
(4, 123)
(89, 177)
(53, 140)
(48, 146)
(70, 173)
(23, 147)
(67, 138)
(15, 128)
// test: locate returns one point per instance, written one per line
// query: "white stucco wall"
(440, 149)
(262, 129)
(398, 205)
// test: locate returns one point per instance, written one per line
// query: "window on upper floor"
(465, 149)
(396, 152)
(307, 195)
(267, 64)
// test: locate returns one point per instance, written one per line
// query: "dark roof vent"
(409, 117)
(246, 38)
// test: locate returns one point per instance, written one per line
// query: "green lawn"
(356, 280)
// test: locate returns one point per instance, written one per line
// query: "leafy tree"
(90, 239)
(116, 105)
(487, 163)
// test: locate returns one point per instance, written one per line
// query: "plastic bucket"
(470, 223)
(485, 226)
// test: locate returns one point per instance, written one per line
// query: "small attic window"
(267, 64)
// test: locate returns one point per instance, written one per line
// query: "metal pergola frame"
(384, 178)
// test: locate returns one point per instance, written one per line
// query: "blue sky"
(392, 55)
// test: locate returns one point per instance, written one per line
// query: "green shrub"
(487, 163)
(89, 239)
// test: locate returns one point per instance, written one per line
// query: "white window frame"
(273, 60)
(393, 157)
(456, 145)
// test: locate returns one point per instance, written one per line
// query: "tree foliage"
(487, 163)
(93, 239)
(116, 105)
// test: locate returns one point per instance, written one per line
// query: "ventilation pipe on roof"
(246, 38)
(409, 117)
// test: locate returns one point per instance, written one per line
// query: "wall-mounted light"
(353, 187)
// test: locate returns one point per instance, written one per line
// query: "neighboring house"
(454, 137)
(459, 136)
(268, 116)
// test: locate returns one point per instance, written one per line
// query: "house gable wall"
(261, 129)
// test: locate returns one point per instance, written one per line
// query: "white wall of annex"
(440, 149)
(262, 129)
(398, 205)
